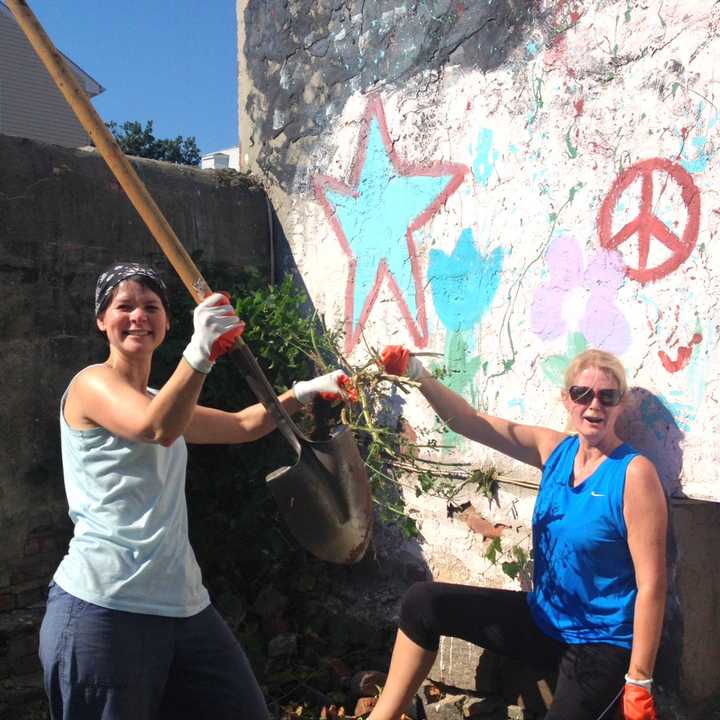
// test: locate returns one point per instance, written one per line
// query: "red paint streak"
(669, 338)
(556, 52)
(684, 354)
(468, 106)
(417, 326)
(579, 107)
(600, 149)
(557, 48)
(562, 21)
(646, 224)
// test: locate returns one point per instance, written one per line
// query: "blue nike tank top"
(584, 578)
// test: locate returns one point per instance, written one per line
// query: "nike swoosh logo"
(597, 494)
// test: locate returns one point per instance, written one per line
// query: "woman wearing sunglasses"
(599, 528)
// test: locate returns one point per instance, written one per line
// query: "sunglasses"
(583, 395)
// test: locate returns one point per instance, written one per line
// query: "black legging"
(590, 676)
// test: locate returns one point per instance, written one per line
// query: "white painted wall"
(508, 208)
(507, 219)
(553, 159)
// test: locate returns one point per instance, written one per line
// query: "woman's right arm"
(105, 397)
(527, 443)
(101, 397)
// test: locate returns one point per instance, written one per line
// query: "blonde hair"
(599, 360)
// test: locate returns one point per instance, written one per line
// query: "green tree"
(134, 139)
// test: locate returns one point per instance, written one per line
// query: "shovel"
(325, 496)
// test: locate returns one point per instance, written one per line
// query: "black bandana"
(115, 274)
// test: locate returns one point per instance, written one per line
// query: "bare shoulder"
(91, 380)
(643, 489)
(76, 399)
(89, 389)
(641, 473)
(93, 372)
(547, 440)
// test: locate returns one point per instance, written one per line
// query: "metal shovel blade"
(325, 498)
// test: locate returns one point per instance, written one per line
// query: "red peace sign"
(646, 224)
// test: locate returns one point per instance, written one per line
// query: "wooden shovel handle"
(143, 202)
(108, 148)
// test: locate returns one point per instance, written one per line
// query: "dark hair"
(118, 272)
(143, 280)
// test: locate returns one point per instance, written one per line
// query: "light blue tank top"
(130, 549)
(584, 579)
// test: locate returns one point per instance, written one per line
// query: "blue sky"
(170, 62)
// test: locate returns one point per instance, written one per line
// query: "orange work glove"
(216, 326)
(332, 386)
(397, 360)
(638, 703)
(350, 390)
(226, 341)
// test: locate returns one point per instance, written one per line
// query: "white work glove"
(397, 360)
(330, 387)
(216, 327)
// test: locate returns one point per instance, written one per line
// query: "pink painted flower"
(576, 297)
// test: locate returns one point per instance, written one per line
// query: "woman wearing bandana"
(129, 632)
(599, 580)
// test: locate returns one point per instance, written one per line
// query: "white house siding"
(30, 104)
(227, 158)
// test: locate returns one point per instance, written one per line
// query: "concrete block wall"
(505, 184)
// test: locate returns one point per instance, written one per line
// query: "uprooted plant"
(283, 336)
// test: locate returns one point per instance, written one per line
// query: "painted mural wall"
(506, 184)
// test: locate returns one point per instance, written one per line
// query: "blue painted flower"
(463, 283)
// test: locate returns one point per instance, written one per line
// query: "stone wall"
(63, 218)
(505, 184)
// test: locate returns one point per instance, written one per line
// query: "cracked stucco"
(353, 47)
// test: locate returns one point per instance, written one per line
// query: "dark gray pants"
(591, 676)
(102, 664)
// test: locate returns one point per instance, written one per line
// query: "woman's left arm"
(211, 426)
(646, 520)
